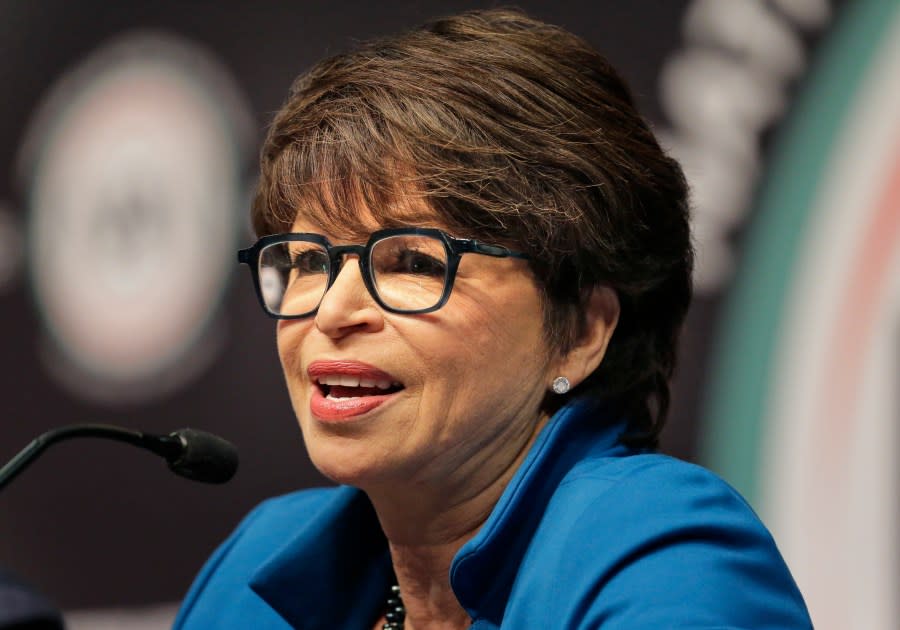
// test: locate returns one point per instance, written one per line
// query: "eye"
(414, 256)
(311, 261)
(417, 263)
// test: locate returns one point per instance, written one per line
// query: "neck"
(422, 573)
(422, 551)
(426, 527)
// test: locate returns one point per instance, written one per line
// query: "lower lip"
(338, 409)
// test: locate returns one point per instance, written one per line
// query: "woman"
(479, 259)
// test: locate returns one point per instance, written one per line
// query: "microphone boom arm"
(213, 459)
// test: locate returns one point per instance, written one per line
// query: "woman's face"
(466, 381)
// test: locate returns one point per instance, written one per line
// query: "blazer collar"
(335, 572)
(483, 571)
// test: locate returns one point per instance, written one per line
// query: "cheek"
(513, 320)
(285, 347)
(490, 345)
(289, 336)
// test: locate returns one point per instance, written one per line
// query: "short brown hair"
(515, 132)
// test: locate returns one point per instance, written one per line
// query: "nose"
(347, 306)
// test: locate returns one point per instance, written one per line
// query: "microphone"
(189, 453)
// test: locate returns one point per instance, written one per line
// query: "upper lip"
(349, 373)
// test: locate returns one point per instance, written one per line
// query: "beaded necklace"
(396, 612)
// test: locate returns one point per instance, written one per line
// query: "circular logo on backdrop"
(134, 171)
(805, 413)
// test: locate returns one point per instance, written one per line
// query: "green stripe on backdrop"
(744, 354)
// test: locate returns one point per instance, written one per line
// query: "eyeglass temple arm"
(498, 251)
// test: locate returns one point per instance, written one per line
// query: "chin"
(348, 462)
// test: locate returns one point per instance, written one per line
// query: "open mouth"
(336, 387)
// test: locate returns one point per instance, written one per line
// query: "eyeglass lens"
(409, 273)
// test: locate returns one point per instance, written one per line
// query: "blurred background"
(128, 140)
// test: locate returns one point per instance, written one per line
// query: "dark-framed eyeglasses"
(406, 270)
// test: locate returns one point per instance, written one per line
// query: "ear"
(600, 319)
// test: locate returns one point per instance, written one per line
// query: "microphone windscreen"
(206, 457)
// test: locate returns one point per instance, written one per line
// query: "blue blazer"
(588, 534)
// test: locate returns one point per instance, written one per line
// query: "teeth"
(354, 381)
(339, 379)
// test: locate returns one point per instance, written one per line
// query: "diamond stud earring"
(560, 385)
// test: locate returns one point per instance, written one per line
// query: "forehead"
(358, 219)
